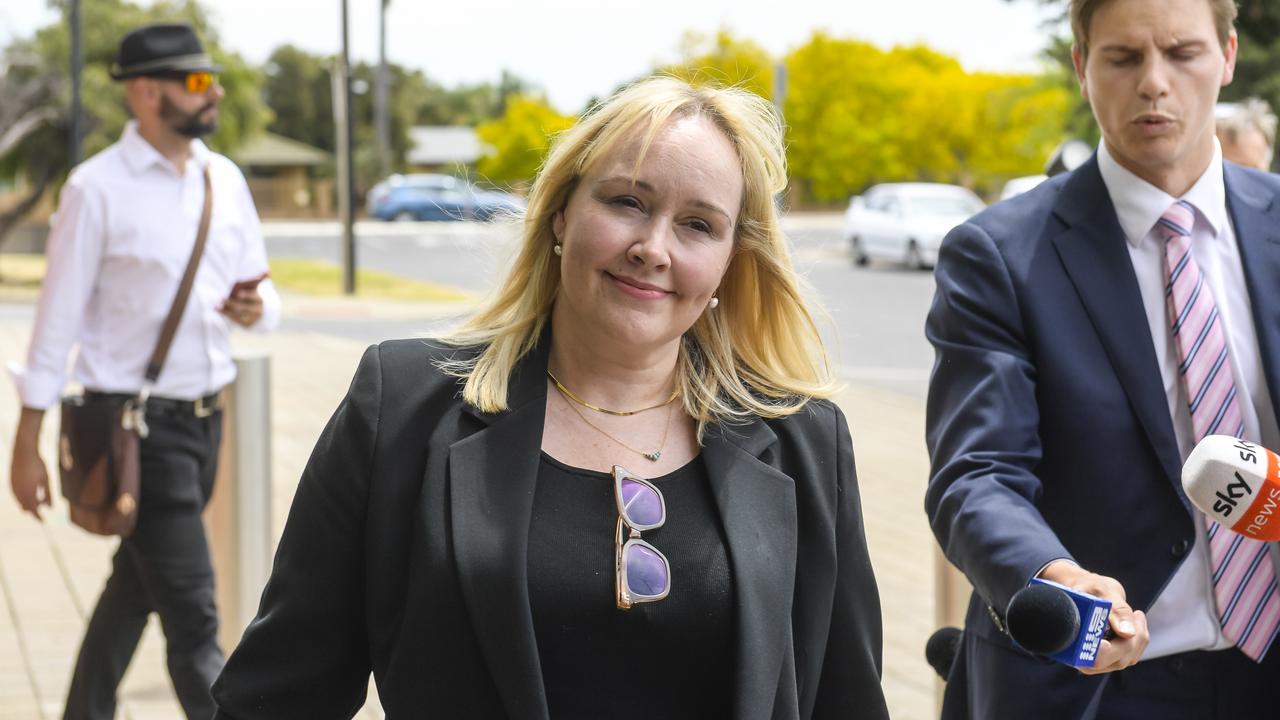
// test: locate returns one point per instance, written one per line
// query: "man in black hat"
(119, 244)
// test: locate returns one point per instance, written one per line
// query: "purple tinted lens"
(646, 572)
(641, 503)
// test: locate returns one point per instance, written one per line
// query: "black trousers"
(164, 567)
(1199, 685)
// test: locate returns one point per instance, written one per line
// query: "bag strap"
(170, 327)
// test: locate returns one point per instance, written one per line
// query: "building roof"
(440, 145)
(271, 150)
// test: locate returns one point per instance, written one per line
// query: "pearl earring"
(556, 249)
(715, 303)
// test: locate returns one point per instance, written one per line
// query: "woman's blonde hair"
(759, 353)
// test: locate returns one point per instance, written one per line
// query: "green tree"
(857, 115)
(404, 92)
(299, 90)
(723, 59)
(104, 22)
(42, 156)
(837, 106)
(519, 139)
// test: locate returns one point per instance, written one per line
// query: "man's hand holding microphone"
(1234, 482)
(1123, 646)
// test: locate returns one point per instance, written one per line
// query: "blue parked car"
(438, 197)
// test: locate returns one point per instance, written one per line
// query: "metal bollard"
(239, 513)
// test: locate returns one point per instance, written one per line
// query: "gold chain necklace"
(618, 413)
(651, 456)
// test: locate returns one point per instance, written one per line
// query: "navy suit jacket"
(405, 556)
(1048, 424)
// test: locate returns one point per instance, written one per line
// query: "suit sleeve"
(850, 682)
(982, 423)
(306, 653)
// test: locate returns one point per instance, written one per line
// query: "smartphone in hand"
(250, 284)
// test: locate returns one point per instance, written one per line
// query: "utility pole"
(346, 166)
(380, 90)
(77, 63)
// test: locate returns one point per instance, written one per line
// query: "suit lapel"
(758, 509)
(492, 475)
(1092, 249)
(1256, 218)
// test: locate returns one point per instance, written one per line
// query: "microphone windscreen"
(1043, 619)
(941, 650)
(1235, 483)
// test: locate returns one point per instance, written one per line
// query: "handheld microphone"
(1236, 483)
(1062, 624)
(941, 649)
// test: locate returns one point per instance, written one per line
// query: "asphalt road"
(877, 313)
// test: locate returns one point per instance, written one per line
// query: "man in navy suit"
(1063, 401)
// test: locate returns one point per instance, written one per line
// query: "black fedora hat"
(156, 49)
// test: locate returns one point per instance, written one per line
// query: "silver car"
(905, 222)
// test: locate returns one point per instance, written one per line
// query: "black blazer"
(404, 555)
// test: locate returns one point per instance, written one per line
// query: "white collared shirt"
(1184, 616)
(118, 247)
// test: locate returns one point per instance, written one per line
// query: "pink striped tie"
(1244, 581)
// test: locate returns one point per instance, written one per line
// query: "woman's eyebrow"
(643, 185)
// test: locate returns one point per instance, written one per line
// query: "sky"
(577, 49)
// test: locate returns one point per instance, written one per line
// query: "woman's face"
(644, 248)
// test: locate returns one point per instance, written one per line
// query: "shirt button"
(1180, 548)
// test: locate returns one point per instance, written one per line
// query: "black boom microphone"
(941, 649)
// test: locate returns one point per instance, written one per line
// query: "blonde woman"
(618, 491)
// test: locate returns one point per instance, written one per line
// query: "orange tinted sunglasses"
(199, 82)
(196, 81)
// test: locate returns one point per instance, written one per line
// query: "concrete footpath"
(51, 573)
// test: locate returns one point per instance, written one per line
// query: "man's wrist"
(29, 421)
(1059, 570)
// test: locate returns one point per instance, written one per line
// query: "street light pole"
(380, 89)
(77, 62)
(346, 164)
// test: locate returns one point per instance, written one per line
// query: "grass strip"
(21, 274)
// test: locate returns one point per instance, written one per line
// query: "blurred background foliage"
(855, 113)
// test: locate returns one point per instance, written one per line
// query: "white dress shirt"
(118, 247)
(1184, 616)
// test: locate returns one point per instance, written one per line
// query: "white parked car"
(1019, 185)
(906, 222)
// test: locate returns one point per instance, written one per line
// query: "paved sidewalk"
(51, 573)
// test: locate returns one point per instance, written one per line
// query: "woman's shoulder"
(819, 425)
(413, 366)
(416, 351)
(816, 415)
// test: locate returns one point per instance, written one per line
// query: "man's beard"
(187, 124)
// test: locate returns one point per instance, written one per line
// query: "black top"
(667, 659)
